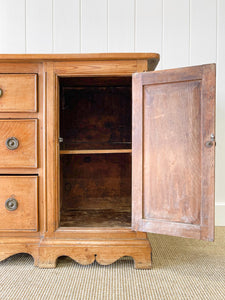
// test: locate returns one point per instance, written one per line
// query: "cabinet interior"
(95, 154)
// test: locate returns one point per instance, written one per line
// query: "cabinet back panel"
(95, 113)
(96, 184)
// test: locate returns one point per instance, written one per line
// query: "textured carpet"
(183, 269)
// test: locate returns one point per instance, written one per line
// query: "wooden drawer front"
(20, 192)
(18, 93)
(25, 132)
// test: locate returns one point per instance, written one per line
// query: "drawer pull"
(11, 204)
(1, 92)
(12, 143)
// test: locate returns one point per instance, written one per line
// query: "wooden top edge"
(80, 56)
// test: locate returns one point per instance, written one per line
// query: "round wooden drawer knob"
(11, 204)
(12, 143)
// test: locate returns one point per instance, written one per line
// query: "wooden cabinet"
(97, 150)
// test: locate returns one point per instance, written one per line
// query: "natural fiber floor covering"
(183, 269)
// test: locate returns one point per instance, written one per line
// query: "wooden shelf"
(96, 151)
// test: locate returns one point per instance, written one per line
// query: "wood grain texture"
(137, 149)
(107, 67)
(25, 131)
(34, 71)
(107, 180)
(25, 190)
(172, 151)
(98, 68)
(9, 247)
(19, 93)
(80, 57)
(52, 213)
(96, 185)
(117, 236)
(91, 233)
(208, 154)
(171, 125)
(103, 218)
(8, 66)
(86, 252)
(95, 117)
(171, 228)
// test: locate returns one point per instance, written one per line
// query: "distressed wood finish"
(172, 157)
(25, 131)
(95, 190)
(85, 252)
(24, 189)
(95, 117)
(19, 92)
(26, 239)
(105, 200)
(10, 246)
(91, 235)
(173, 170)
(152, 59)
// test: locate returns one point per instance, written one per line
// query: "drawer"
(18, 143)
(18, 203)
(18, 92)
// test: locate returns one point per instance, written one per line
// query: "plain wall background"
(184, 32)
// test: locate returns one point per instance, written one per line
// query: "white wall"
(184, 32)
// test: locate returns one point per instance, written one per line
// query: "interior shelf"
(103, 151)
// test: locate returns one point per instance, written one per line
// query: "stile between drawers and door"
(173, 149)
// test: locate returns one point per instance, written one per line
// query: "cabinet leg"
(143, 264)
(47, 259)
(143, 260)
(46, 264)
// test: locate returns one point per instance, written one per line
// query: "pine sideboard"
(97, 150)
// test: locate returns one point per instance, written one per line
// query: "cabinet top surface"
(83, 56)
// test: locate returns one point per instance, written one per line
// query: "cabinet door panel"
(173, 169)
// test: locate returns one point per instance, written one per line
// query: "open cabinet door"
(173, 152)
